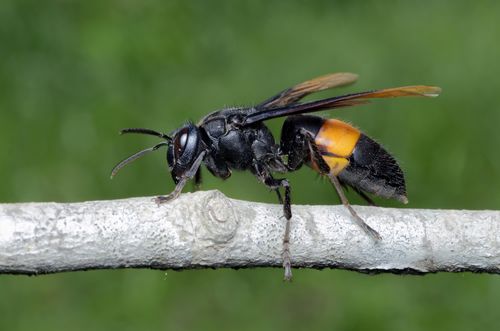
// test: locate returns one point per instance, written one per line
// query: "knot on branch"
(221, 219)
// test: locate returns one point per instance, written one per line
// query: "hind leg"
(325, 170)
(364, 196)
(338, 187)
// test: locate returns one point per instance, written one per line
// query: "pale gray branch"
(207, 229)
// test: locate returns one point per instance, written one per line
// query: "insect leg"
(182, 182)
(287, 211)
(325, 170)
(198, 179)
(365, 197)
(278, 194)
(275, 184)
(368, 230)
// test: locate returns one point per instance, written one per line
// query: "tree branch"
(207, 229)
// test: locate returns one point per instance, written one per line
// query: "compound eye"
(180, 142)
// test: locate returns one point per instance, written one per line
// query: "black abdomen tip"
(372, 169)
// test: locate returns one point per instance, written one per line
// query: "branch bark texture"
(207, 229)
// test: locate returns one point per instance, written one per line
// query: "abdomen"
(356, 159)
(372, 169)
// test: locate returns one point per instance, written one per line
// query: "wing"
(342, 101)
(297, 92)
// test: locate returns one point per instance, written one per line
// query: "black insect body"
(237, 139)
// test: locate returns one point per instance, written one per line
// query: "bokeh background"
(73, 73)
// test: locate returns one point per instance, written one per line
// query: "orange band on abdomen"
(337, 138)
(336, 164)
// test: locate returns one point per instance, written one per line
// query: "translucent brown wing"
(297, 92)
(405, 91)
(342, 101)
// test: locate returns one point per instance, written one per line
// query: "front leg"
(182, 181)
(198, 179)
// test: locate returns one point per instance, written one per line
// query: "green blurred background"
(73, 73)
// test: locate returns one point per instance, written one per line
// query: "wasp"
(236, 138)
